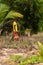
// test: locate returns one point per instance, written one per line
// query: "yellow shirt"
(15, 26)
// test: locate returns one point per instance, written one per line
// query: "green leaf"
(13, 14)
(2, 16)
(31, 59)
(40, 48)
(15, 57)
(3, 8)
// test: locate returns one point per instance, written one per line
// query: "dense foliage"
(31, 12)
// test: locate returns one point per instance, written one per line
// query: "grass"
(16, 57)
(22, 43)
(30, 60)
(13, 59)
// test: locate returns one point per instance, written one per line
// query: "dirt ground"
(5, 53)
(22, 46)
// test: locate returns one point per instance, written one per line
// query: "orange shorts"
(15, 35)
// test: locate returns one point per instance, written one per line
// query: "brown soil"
(23, 46)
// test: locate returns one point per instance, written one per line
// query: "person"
(15, 31)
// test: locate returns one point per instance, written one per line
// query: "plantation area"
(21, 32)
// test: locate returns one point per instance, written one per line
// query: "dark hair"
(16, 19)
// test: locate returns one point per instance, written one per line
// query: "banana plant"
(3, 9)
(40, 45)
(13, 14)
(7, 11)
